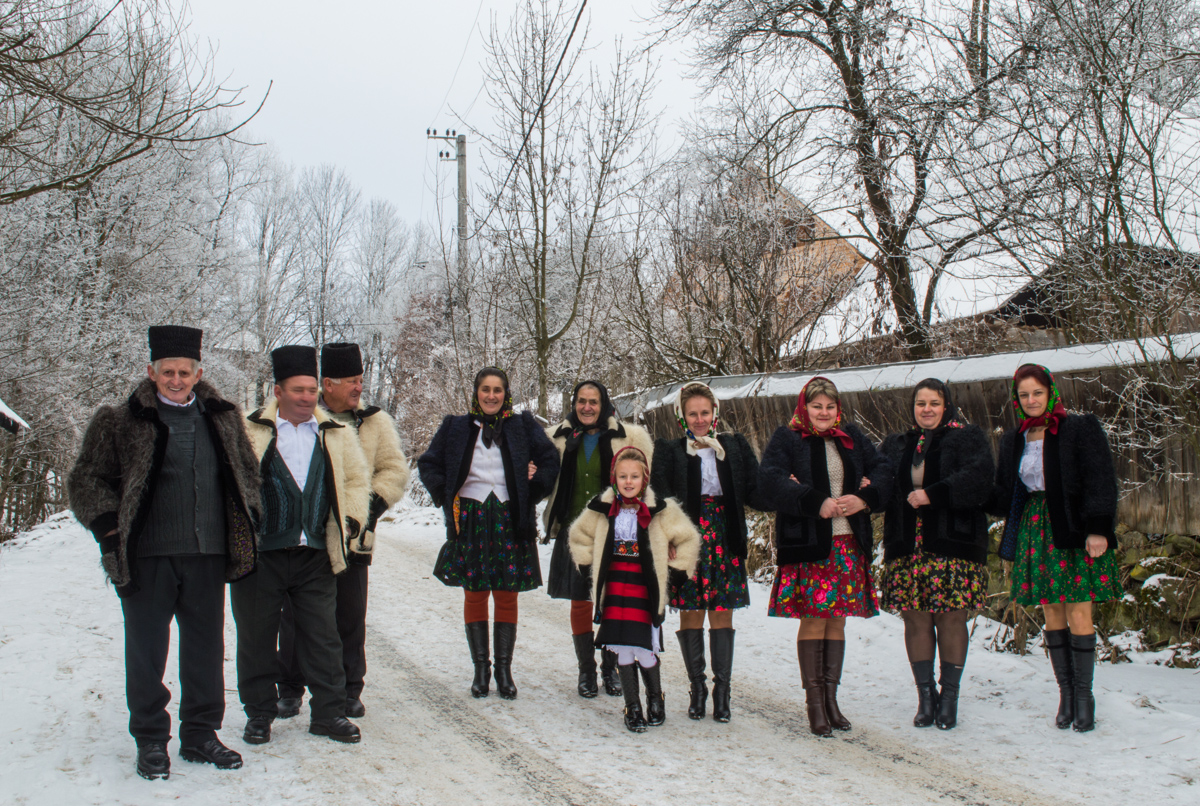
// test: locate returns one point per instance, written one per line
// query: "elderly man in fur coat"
(168, 484)
(315, 486)
(341, 396)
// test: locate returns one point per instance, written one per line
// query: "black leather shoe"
(339, 729)
(153, 761)
(355, 707)
(288, 707)
(212, 752)
(258, 730)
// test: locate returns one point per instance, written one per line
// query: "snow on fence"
(878, 398)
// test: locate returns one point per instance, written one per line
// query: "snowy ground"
(63, 734)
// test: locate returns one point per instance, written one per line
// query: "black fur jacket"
(445, 465)
(1081, 482)
(112, 483)
(675, 474)
(801, 534)
(958, 481)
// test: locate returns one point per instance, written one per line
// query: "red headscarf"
(802, 425)
(1055, 411)
(619, 501)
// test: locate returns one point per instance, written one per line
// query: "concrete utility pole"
(460, 156)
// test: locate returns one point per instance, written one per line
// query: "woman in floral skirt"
(812, 475)
(935, 541)
(488, 469)
(715, 477)
(1056, 483)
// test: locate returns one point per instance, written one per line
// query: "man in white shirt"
(315, 486)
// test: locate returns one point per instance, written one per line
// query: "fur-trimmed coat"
(675, 474)
(615, 436)
(389, 471)
(801, 534)
(112, 483)
(593, 536)
(346, 475)
(1081, 481)
(958, 481)
(446, 463)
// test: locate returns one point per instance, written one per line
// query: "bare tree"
(329, 210)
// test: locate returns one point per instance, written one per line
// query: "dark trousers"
(302, 575)
(351, 627)
(191, 590)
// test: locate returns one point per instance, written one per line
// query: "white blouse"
(1033, 472)
(710, 481)
(487, 473)
(625, 529)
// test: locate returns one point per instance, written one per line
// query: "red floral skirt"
(836, 587)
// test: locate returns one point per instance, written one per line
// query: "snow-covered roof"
(906, 374)
(10, 419)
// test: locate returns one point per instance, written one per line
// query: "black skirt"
(486, 553)
(566, 580)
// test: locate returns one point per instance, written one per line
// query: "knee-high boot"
(656, 707)
(720, 645)
(835, 653)
(691, 644)
(1059, 648)
(634, 720)
(477, 640)
(811, 653)
(504, 636)
(609, 674)
(1083, 660)
(585, 653)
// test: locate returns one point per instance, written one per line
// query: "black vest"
(287, 511)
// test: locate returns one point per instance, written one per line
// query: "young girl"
(629, 539)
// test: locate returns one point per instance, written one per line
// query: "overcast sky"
(359, 85)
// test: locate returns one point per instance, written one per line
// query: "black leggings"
(944, 632)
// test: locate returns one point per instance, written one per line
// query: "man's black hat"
(174, 341)
(293, 359)
(341, 360)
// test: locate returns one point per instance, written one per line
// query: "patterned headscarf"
(802, 425)
(619, 501)
(949, 417)
(1055, 411)
(709, 440)
(578, 429)
(493, 424)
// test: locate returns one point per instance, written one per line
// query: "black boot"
(947, 714)
(1059, 648)
(609, 674)
(477, 640)
(152, 760)
(288, 707)
(585, 653)
(691, 644)
(720, 646)
(504, 636)
(1083, 660)
(835, 653)
(633, 703)
(811, 653)
(656, 707)
(926, 693)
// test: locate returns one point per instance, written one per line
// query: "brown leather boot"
(835, 653)
(812, 673)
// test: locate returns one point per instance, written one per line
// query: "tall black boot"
(477, 640)
(835, 653)
(609, 674)
(1059, 648)
(947, 715)
(633, 703)
(656, 707)
(504, 636)
(691, 644)
(720, 646)
(585, 653)
(926, 693)
(1083, 660)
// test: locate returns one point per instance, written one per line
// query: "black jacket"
(1081, 482)
(444, 467)
(801, 534)
(958, 481)
(675, 474)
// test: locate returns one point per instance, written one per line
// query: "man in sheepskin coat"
(168, 484)
(315, 488)
(341, 396)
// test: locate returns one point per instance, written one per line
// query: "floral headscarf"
(493, 424)
(575, 435)
(619, 501)
(949, 417)
(1054, 413)
(709, 440)
(801, 424)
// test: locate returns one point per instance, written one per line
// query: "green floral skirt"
(1045, 575)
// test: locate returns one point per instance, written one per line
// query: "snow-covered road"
(427, 741)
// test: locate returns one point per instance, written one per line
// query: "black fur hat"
(341, 360)
(174, 341)
(293, 359)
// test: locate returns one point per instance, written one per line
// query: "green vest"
(287, 511)
(588, 484)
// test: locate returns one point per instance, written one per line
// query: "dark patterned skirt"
(566, 580)
(625, 618)
(486, 553)
(934, 584)
(832, 588)
(1044, 575)
(720, 581)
